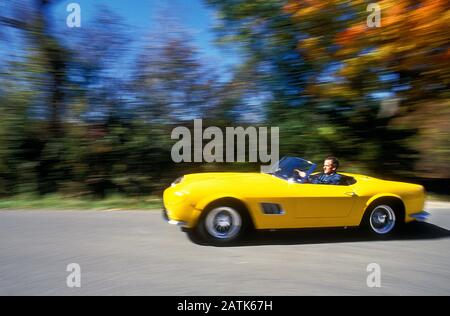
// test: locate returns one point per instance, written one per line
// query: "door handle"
(352, 194)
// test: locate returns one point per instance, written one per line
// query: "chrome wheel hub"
(382, 219)
(223, 222)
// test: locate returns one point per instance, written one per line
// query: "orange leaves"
(300, 9)
(446, 56)
(292, 7)
(430, 9)
(413, 38)
(351, 34)
(313, 49)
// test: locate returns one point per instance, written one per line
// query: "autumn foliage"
(411, 43)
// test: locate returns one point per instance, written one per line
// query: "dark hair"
(334, 161)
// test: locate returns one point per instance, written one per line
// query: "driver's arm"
(302, 174)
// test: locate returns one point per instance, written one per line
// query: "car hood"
(229, 181)
(226, 176)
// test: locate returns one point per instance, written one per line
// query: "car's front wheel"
(222, 224)
(382, 220)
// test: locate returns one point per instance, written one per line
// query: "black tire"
(383, 219)
(222, 224)
(194, 236)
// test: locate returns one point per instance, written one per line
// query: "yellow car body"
(293, 205)
(305, 205)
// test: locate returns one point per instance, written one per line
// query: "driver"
(329, 175)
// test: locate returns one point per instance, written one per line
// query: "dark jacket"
(323, 178)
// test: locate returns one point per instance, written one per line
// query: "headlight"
(178, 180)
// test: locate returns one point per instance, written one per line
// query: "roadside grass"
(59, 202)
(113, 202)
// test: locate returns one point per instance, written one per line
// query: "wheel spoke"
(223, 223)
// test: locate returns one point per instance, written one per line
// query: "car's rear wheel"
(222, 224)
(382, 220)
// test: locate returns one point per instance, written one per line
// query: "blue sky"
(143, 16)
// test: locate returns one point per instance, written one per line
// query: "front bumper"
(421, 216)
(170, 221)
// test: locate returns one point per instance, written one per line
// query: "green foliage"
(59, 202)
(324, 68)
(73, 124)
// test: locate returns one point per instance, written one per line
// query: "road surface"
(137, 253)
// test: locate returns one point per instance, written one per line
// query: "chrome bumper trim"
(177, 223)
(421, 216)
(170, 221)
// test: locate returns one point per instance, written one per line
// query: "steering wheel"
(296, 175)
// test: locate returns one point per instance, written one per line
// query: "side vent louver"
(271, 208)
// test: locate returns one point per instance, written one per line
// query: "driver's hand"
(300, 173)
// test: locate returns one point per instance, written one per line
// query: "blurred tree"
(339, 87)
(50, 54)
(394, 57)
(77, 119)
(274, 69)
(39, 77)
(74, 121)
(168, 79)
(97, 91)
(405, 60)
(268, 38)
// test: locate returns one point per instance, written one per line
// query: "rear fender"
(387, 195)
(382, 195)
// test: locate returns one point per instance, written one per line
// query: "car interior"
(347, 180)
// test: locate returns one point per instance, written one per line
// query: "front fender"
(203, 203)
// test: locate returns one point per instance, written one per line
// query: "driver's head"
(330, 165)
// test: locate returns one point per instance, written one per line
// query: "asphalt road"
(136, 253)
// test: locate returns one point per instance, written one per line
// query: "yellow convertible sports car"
(220, 207)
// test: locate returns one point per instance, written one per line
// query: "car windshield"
(286, 166)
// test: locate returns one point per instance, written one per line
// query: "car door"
(324, 201)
